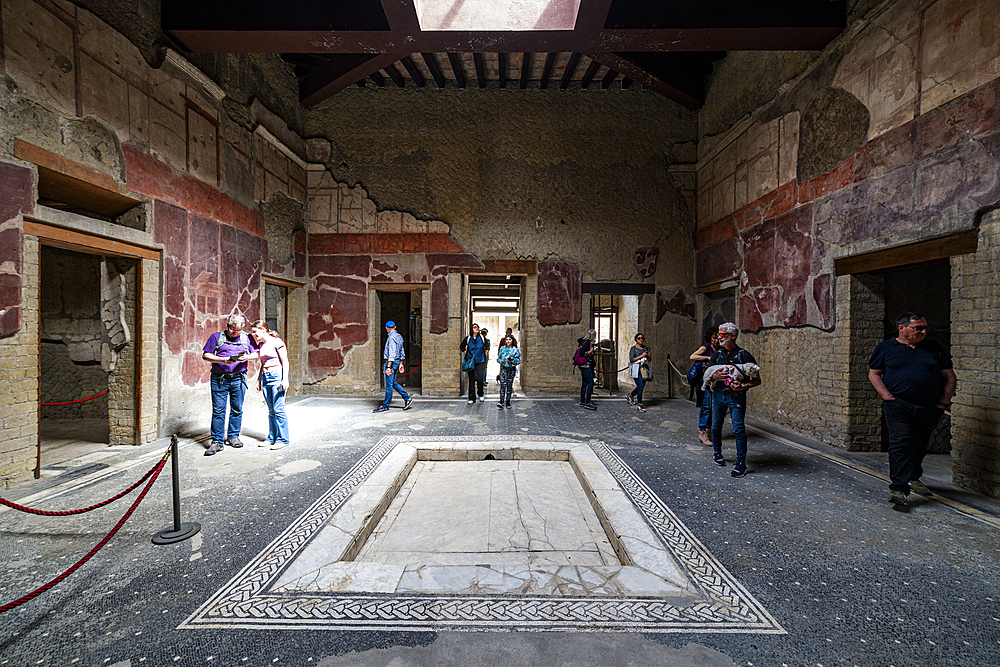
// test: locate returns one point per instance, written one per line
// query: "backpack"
(696, 373)
(579, 359)
(244, 341)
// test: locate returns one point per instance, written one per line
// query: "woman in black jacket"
(586, 350)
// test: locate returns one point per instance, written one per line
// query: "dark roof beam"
(480, 68)
(378, 78)
(570, 70)
(395, 75)
(456, 67)
(415, 74)
(589, 75)
(608, 79)
(432, 64)
(550, 60)
(525, 69)
(340, 71)
(502, 69)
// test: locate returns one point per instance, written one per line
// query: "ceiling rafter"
(336, 45)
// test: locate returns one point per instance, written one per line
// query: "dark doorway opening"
(403, 308)
(86, 389)
(925, 290)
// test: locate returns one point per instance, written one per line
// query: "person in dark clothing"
(586, 351)
(704, 397)
(637, 356)
(730, 397)
(915, 379)
(473, 348)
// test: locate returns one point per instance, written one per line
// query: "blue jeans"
(587, 387)
(736, 403)
(391, 384)
(233, 390)
(705, 410)
(640, 384)
(274, 396)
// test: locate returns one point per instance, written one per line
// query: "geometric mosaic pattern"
(246, 601)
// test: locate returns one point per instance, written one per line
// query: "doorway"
(403, 308)
(87, 364)
(495, 305)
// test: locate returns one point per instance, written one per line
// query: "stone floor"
(801, 562)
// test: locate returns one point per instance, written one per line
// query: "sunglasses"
(919, 327)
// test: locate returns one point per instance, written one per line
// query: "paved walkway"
(818, 568)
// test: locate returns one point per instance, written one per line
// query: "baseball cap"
(390, 323)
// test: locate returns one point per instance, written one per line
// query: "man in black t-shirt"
(731, 397)
(915, 379)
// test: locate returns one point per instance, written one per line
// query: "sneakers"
(507, 404)
(382, 408)
(739, 469)
(234, 443)
(265, 443)
(278, 445)
(500, 405)
(482, 399)
(408, 403)
(590, 406)
(631, 401)
(471, 401)
(897, 498)
(215, 448)
(719, 459)
(919, 487)
(641, 408)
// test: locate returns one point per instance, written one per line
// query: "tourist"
(272, 380)
(509, 357)
(638, 356)
(584, 360)
(731, 397)
(703, 398)
(393, 355)
(473, 348)
(229, 352)
(915, 379)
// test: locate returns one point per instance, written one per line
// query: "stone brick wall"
(122, 384)
(19, 376)
(63, 380)
(148, 349)
(975, 302)
(441, 372)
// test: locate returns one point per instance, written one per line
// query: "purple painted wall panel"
(560, 293)
(17, 196)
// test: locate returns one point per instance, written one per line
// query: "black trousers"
(910, 427)
(477, 380)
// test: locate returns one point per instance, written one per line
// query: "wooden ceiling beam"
(525, 70)
(608, 79)
(589, 75)
(477, 58)
(502, 69)
(432, 64)
(456, 67)
(550, 60)
(395, 75)
(570, 70)
(339, 72)
(415, 74)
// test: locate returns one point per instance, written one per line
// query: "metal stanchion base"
(169, 535)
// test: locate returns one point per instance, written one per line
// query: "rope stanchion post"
(179, 531)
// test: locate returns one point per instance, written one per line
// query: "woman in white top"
(273, 381)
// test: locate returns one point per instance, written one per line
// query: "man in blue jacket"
(392, 363)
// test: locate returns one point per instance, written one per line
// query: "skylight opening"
(497, 15)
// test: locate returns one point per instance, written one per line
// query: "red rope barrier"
(413, 371)
(29, 510)
(80, 401)
(100, 545)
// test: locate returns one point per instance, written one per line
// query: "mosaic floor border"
(246, 601)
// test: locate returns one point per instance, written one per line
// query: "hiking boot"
(719, 459)
(381, 408)
(739, 469)
(919, 487)
(408, 403)
(631, 401)
(214, 448)
(234, 443)
(898, 498)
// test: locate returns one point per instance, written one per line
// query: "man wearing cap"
(393, 356)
